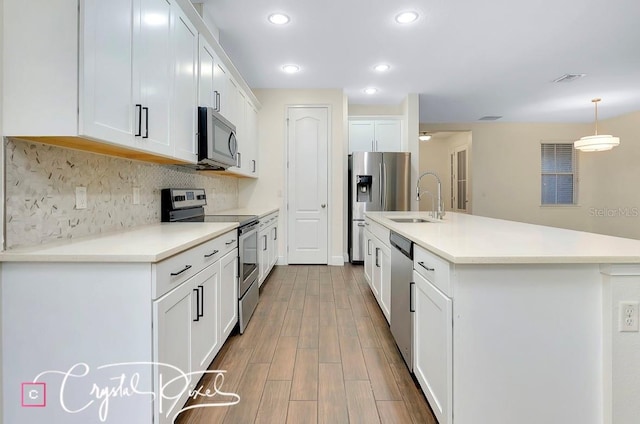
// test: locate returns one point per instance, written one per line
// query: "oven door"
(248, 251)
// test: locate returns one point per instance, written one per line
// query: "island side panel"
(527, 344)
(622, 349)
(56, 315)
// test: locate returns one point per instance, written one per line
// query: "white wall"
(269, 188)
(1, 185)
(375, 110)
(506, 174)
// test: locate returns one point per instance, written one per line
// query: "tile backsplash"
(40, 192)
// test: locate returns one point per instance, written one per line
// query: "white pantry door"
(308, 141)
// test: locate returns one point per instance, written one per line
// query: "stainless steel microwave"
(217, 145)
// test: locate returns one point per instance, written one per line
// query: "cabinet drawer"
(215, 249)
(433, 268)
(173, 271)
(381, 232)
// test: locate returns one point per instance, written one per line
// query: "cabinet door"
(361, 136)
(368, 257)
(263, 254)
(205, 332)
(251, 125)
(173, 314)
(185, 88)
(385, 281)
(228, 298)
(388, 135)
(153, 61)
(107, 111)
(376, 274)
(273, 246)
(220, 88)
(207, 96)
(433, 347)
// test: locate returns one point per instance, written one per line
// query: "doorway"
(307, 184)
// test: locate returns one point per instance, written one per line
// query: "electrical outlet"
(136, 195)
(628, 316)
(81, 198)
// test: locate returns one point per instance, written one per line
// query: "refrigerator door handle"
(380, 184)
(384, 185)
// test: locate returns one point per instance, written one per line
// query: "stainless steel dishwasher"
(401, 295)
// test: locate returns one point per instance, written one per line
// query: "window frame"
(574, 173)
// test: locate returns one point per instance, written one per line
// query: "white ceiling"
(465, 58)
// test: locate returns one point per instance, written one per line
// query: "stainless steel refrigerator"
(378, 181)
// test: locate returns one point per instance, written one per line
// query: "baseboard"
(337, 260)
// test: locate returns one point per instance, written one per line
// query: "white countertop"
(470, 239)
(261, 211)
(149, 243)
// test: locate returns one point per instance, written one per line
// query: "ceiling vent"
(569, 77)
(490, 118)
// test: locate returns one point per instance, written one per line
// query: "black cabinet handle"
(197, 305)
(239, 160)
(275, 233)
(201, 299)
(146, 120)
(411, 307)
(254, 165)
(426, 267)
(211, 254)
(217, 108)
(377, 264)
(265, 242)
(230, 242)
(139, 108)
(173, 274)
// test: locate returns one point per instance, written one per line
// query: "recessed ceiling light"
(406, 17)
(371, 90)
(383, 67)
(279, 19)
(290, 69)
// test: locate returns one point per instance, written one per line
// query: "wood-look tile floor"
(317, 350)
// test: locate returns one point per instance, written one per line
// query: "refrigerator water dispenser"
(364, 188)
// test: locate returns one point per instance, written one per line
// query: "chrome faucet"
(438, 212)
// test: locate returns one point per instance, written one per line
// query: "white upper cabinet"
(153, 65)
(375, 135)
(123, 77)
(185, 88)
(107, 109)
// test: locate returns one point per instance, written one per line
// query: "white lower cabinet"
(433, 347)
(368, 257)
(377, 265)
(172, 316)
(228, 310)
(159, 325)
(267, 246)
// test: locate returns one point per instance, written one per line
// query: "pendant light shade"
(424, 136)
(597, 142)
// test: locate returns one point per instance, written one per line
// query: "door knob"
(323, 205)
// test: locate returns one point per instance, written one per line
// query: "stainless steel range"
(187, 205)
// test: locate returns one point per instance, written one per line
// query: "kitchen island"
(519, 323)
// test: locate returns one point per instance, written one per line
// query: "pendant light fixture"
(424, 136)
(597, 142)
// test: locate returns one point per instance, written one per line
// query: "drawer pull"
(197, 318)
(201, 287)
(426, 267)
(211, 254)
(360, 225)
(230, 242)
(173, 274)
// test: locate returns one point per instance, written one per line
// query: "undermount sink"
(409, 220)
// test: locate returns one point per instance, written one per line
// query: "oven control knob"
(179, 198)
(201, 197)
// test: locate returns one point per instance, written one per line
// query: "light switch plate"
(81, 197)
(136, 195)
